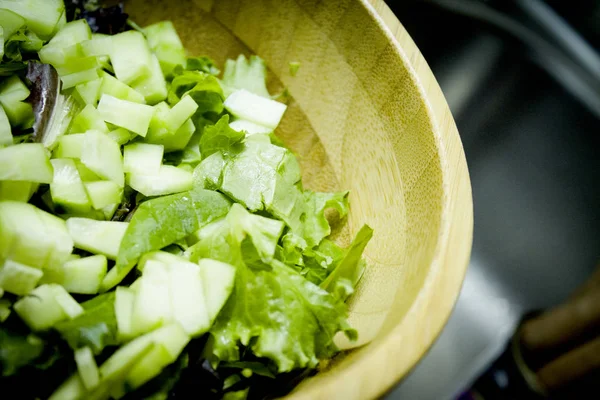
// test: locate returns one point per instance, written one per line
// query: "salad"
(156, 241)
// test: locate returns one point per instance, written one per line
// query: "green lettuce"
(202, 87)
(243, 73)
(18, 350)
(220, 137)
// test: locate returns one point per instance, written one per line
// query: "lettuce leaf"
(18, 350)
(316, 226)
(220, 137)
(202, 87)
(243, 73)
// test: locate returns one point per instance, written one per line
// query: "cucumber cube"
(97, 46)
(88, 93)
(69, 305)
(172, 141)
(124, 300)
(87, 368)
(88, 119)
(168, 180)
(67, 188)
(188, 299)
(142, 158)
(1, 42)
(16, 190)
(254, 108)
(181, 112)
(165, 43)
(71, 389)
(154, 86)
(130, 56)
(218, 279)
(249, 127)
(19, 113)
(115, 88)
(86, 174)
(19, 279)
(121, 135)
(109, 211)
(25, 162)
(6, 138)
(152, 305)
(69, 146)
(77, 64)
(31, 236)
(41, 310)
(5, 309)
(102, 155)
(84, 275)
(42, 17)
(103, 193)
(126, 114)
(13, 89)
(80, 77)
(98, 237)
(10, 22)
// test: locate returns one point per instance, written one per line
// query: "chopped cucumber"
(84, 275)
(88, 93)
(17, 190)
(10, 22)
(41, 16)
(5, 309)
(249, 127)
(124, 300)
(152, 306)
(109, 211)
(218, 279)
(165, 43)
(88, 119)
(188, 299)
(87, 368)
(98, 237)
(158, 132)
(181, 112)
(69, 305)
(78, 78)
(13, 89)
(163, 257)
(1, 42)
(6, 138)
(154, 87)
(71, 34)
(130, 56)
(168, 180)
(69, 146)
(115, 88)
(103, 193)
(78, 64)
(67, 188)
(102, 155)
(86, 174)
(121, 135)
(25, 162)
(126, 114)
(31, 236)
(44, 307)
(142, 158)
(254, 108)
(97, 46)
(19, 279)
(19, 113)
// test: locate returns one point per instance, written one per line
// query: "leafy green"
(22, 41)
(202, 87)
(18, 350)
(203, 64)
(96, 327)
(345, 276)
(209, 205)
(207, 174)
(11, 68)
(243, 73)
(316, 226)
(220, 137)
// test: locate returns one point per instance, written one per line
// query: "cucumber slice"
(41, 16)
(181, 137)
(69, 146)
(86, 174)
(142, 158)
(97, 46)
(1, 42)
(188, 299)
(10, 22)
(12, 90)
(77, 64)
(181, 112)
(88, 93)
(69, 305)
(42, 310)
(5, 309)
(254, 108)
(109, 211)
(6, 138)
(124, 300)
(19, 113)
(87, 368)
(126, 114)
(152, 305)
(19, 279)
(121, 135)
(98, 237)
(67, 188)
(103, 193)
(249, 127)
(25, 162)
(77, 78)
(31, 236)
(88, 119)
(165, 43)
(168, 180)
(163, 257)
(171, 340)
(16, 190)
(115, 88)
(158, 133)
(12, 93)
(218, 279)
(102, 155)
(130, 56)
(71, 389)
(153, 87)
(84, 276)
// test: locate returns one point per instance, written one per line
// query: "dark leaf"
(109, 19)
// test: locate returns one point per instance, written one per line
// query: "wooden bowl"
(367, 116)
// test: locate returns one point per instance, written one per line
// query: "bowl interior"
(358, 121)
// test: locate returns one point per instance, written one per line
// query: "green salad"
(156, 241)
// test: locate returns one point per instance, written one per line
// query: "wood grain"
(368, 116)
